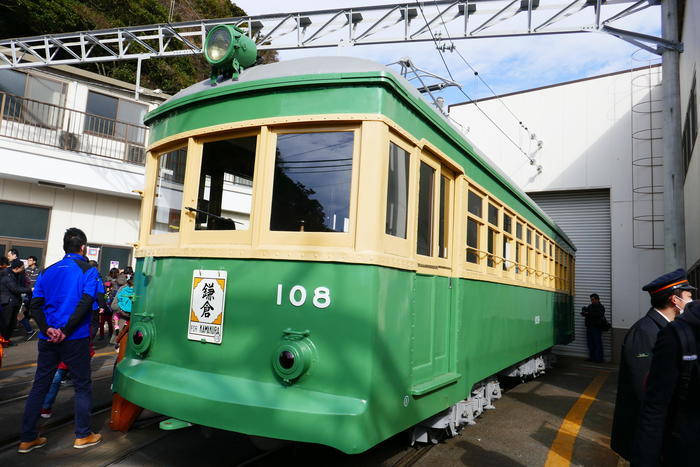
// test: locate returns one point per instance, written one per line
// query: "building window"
(43, 98)
(115, 118)
(313, 174)
(25, 229)
(397, 191)
(221, 205)
(690, 128)
(109, 257)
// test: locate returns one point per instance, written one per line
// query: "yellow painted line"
(562, 448)
(30, 365)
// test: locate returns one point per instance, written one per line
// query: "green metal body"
(393, 348)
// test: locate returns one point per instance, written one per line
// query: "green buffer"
(173, 424)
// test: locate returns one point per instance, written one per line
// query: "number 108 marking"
(297, 296)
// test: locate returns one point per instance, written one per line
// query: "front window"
(224, 198)
(313, 175)
(167, 204)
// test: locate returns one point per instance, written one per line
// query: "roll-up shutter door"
(585, 217)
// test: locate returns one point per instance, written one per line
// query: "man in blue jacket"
(62, 307)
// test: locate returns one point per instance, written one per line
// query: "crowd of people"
(17, 280)
(71, 304)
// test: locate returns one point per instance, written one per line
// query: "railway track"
(413, 455)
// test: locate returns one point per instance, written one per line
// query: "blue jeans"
(26, 325)
(53, 389)
(76, 354)
(594, 336)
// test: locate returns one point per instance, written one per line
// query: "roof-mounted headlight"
(218, 45)
(229, 51)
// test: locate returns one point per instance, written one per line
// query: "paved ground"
(520, 431)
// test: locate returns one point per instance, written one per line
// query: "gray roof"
(299, 67)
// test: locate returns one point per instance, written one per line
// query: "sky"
(505, 64)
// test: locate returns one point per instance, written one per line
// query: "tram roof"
(310, 66)
(299, 67)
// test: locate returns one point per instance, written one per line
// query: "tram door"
(432, 341)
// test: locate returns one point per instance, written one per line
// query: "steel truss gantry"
(440, 20)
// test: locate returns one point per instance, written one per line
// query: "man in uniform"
(668, 297)
(62, 307)
(668, 432)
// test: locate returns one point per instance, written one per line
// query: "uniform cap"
(668, 283)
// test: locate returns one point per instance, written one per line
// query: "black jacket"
(594, 314)
(668, 430)
(10, 291)
(635, 361)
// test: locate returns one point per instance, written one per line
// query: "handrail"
(481, 254)
(26, 119)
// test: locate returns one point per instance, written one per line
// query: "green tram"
(324, 258)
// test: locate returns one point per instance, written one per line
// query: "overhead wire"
(473, 101)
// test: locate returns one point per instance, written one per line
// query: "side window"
(507, 241)
(519, 248)
(224, 197)
(492, 235)
(425, 209)
(312, 182)
(474, 210)
(443, 227)
(167, 204)
(397, 191)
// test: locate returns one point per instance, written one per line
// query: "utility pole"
(674, 214)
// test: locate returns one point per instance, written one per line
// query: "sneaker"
(90, 440)
(46, 413)
(31, 335)
(31, 445)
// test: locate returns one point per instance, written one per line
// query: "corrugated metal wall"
(585, 217)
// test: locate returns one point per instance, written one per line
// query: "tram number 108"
(297, 296)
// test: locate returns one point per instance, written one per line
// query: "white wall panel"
(585, 127)
(585, 217)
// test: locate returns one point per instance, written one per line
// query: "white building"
(72, 145)
(597, 150)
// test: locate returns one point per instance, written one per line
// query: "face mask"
(685, 302)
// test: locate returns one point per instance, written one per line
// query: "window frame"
(116, 120)
(439, 170)
(508, 264)
(265, 162)
(151, 175)
(392, 244)
(188, 233)
(482, 225)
